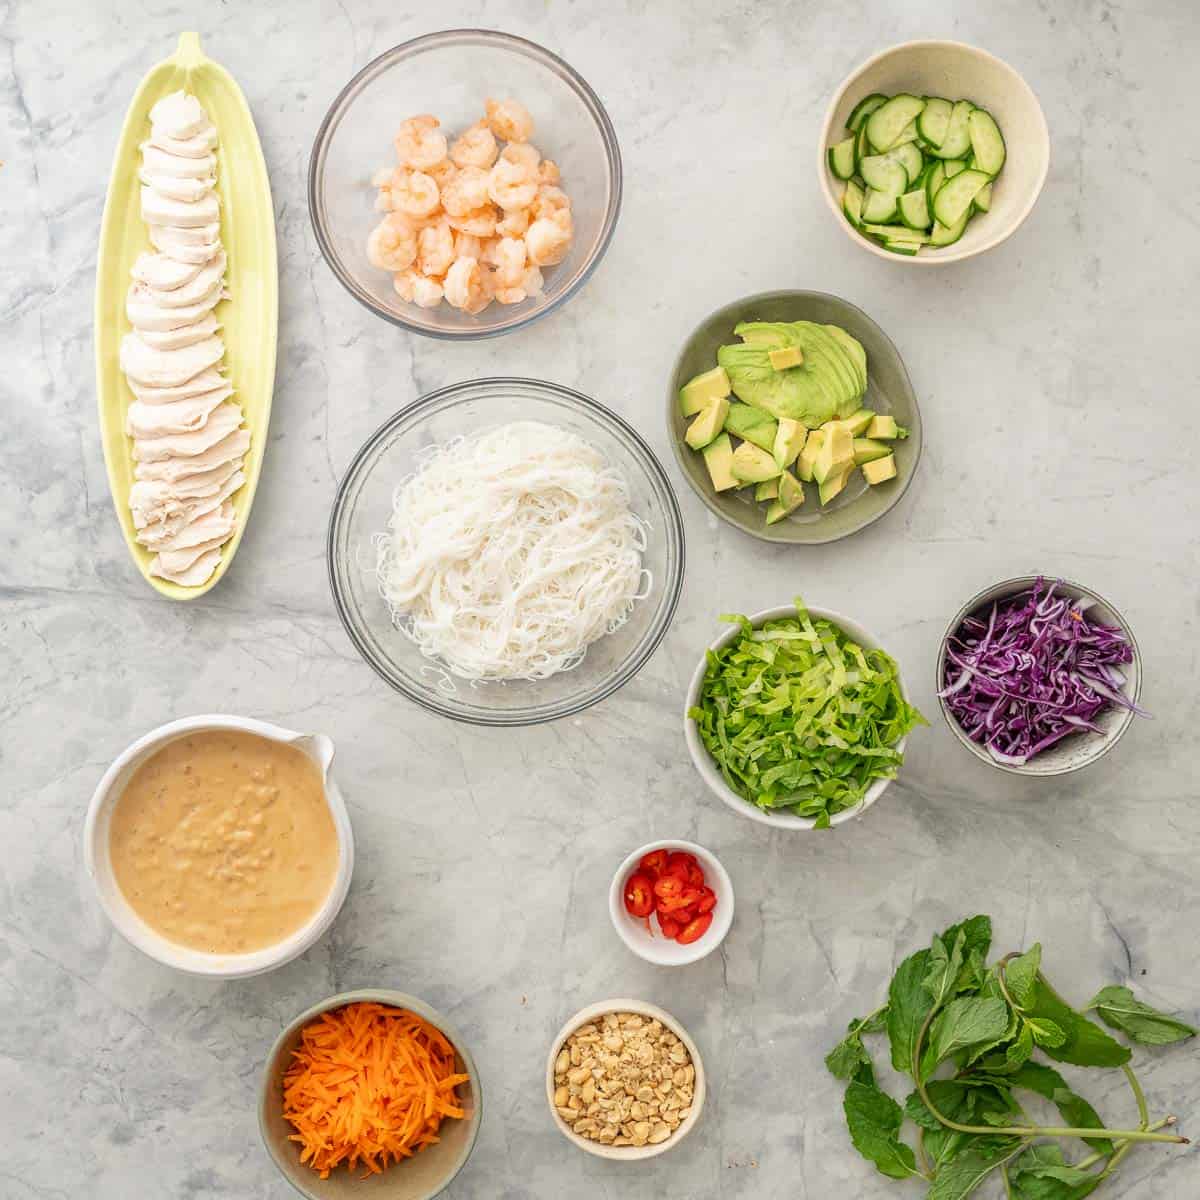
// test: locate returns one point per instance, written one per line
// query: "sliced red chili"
(707, 901)
(639, 895)
(670, 928)
(668, 887)
(694, 930)
(654, 863)
(681, 864)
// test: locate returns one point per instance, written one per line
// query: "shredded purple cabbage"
(1034, 672)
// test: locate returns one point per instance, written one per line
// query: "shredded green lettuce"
(797, 716)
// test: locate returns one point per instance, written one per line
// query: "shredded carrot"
(368, 1085)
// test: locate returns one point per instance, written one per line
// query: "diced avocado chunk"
(836, 452)
(866, 450)
(883, 426)
(696, 395)
(858, 423)
(833, 485)
(783, 357)
(752, 464)
(791, 496)
(718, 458)
(707, 425)
(789, 441)
(808, 456)
(767, 490)
(752, 424)
(880, 469)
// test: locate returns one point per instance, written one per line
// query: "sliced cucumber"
(909, 249)
(934, 120)
(862, 148)
(879, 206)
(953, 199)
(852, 202)
(884, 174)
(863, 109)
(933, 181)
(944, 235)
(983, 199)
(987, 142)
(910, 158)
(841, 158)
(895, 233)
(907, 134)
(914, 209)
(890, 120)
(954, 166)
(958, 136)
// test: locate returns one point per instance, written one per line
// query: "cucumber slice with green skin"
(862, 148)
(955, 166)
(934, 120)
(841, 159)
(896, 233)
(987, 142)
(947, 235)
(957, 141)
(890, 121)
(983, 199)
(910, 158)
(879, 206)
(884, 174)
(907, 134)
(933, 181)
(908, 249)
(863, 109)
(953, 200)
(914, 209)
(852, 202)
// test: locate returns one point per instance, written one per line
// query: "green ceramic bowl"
(888, 391)
(421, 1177)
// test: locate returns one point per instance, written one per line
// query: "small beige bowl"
(627, 1153)
(958, 72)
(421, 1177)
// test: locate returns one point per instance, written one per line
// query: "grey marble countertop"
(1058, 378)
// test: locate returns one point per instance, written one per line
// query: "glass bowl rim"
(456, 393)
(381, 63)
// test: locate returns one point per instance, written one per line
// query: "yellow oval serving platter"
(249, 319)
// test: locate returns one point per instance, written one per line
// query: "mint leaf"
(977, 935)
(1021, 973)
(1041, 1173)
(1086, 1044)
(850, 1053)
(1045, 1033)
(1118, 1008)
(1020, 1050)
(964, 1022)
(1075, 1110)
(941, 979)
(908, 1006)
(962, 1176)
(874, 1121)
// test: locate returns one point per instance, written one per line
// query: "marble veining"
(1057, 377)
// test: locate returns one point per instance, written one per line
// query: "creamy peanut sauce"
(223, 841)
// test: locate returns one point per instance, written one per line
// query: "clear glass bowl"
(451, 74)
(363, 506)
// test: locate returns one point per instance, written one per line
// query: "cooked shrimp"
(479, 222)
(523, 155)
(419, 144)
(510, 186)
(487, 250)
(392, 245)
(548, 173)
(532, 282)
(546, 241)
(510, 120)
(510, 262)
(466, 191)
(415, 194)
(467, 246)
(466, 286)
(515, 222)
(475, 147)
(441, 173)
(382, 177)
(513, 295)
(550, 201)
(435, 248)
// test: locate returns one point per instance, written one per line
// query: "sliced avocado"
(834, 484)
(865, 450)
(707, 425)
(767, 490)
(696, 395)
(761, 334)
(789, 441)
(752, 464)
(784, 357)
(791, 491)
(718, 457)
(752, 424)
(883, 426)
(880, 469)
(808, 456)
(857, 424)
(837, 452)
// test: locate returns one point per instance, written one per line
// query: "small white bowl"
(958, 72)
(629, 1153)
(657, 948)
(140, 935)
(708, 769)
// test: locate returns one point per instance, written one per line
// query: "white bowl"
(657, 948)
(140, 935)
(708, 769)
(629, 1153)
(958, 72)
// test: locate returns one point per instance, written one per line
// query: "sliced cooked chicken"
(180, 416)
(217, 524)
(144, 311)
(152, 367)
(179, 115)
(185, 335)
(199, 572)
(207, 381)
(159, 162)
(172, 515)
(172, 563)
(224, 419)
(210, 276)
(197, 146)
(191, 235)
(176, 187)
(229, 449)
(151, 496)
(163, 273)
(158, 209)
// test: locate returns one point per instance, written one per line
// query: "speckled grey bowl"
(888, 391)
(1081, 749)
(421, 1177)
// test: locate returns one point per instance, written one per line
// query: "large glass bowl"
(363, 506)
(450, 75)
